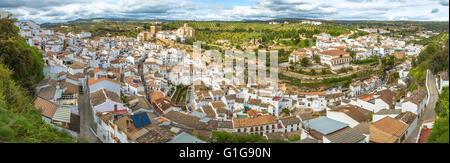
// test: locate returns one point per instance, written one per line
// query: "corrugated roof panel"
(62, 114)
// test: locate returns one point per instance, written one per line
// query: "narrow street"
(141, 74)
(86, 117)
(429, 112)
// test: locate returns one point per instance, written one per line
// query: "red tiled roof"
(155, 96)
(367, 97)
(334, 52)
(48, 108)
(92, 81)
(250, 122)
(311, 93)
(121, 111)
(424, 134)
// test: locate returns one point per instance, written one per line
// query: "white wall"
(367, 105)
(109, 106)
(409, 106)
(108, 85)
(379, 117)
(342, 117)
(412, 127)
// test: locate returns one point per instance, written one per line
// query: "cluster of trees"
(26, 62)
(345, 70)
(100, 29)
(180, 94)
(337, 32)
(128, 33)
(434, 57)
(440, 60)
(388, 63)
(358, 34)
(238, 32)
(21, 67)
(304, 62)
(313, 72)
(19, 120)
(316, 59)
(437, 50)
(373, 59)
(440, 131)
(343, 81)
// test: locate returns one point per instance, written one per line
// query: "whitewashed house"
(290, 124)
(349, 114)
(415, 102)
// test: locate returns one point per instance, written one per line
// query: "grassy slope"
(440, 131)
(19, 120)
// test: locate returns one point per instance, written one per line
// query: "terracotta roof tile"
(353, 112)
(290, 120)
(387, 130)
(249, 122)
(387, 96)
(334, 52)
(209, 111)
(47, 93)
(416, 96)
(92, 81)
(48, 108)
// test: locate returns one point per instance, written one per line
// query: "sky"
(49, 11)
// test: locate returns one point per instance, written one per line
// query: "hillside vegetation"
(25, 62)
(434, 57)
(101, 27)
(291, 34)
(440, 131)
(21, 67)
(19, 120)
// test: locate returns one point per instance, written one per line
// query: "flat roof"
(325, 125)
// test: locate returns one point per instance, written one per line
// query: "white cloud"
(63, 10)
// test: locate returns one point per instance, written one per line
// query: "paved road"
(429, 112)
(86, 117)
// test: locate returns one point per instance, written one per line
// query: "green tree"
(19, 121)
(440, 131)
(396, 75)
(313, 72)
(305, 62)
(25, 61)
(281, 52)
(413, 62)
(286, 111)
(316, 59)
